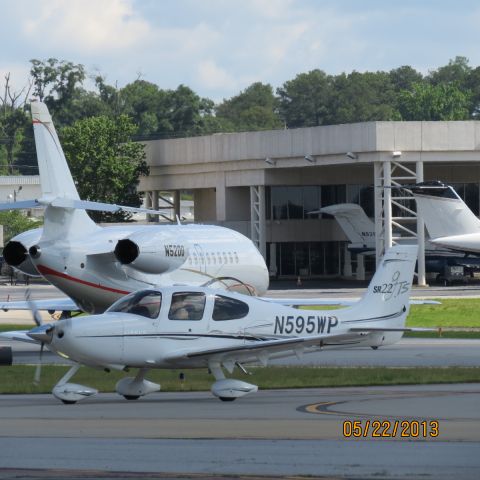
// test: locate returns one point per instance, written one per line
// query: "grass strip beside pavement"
(19, 379)
(452, 312)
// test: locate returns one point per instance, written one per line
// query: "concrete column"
(154, 199)
(273, 268)
(176, 204)
(360, 273)
(221, 198)
(347, 266)
(421, 236)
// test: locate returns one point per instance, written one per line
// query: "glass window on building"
(469, 193)
(317, 264)
(279, 203)
(331, 195)
(367, 200)
(287, 258)
(311, 201)
(295, 203)
(332, 258)
(362, 195)
(472, 195)
(302, 259)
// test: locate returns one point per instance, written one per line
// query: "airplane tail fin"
(55, 177)
(385, 304)
(443, 211)
(353, 220)
(65, 213)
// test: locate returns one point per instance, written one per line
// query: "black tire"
(227, 399)
(374, 347)
(69, 402)
(132, 397)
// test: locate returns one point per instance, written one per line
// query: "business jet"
(360, 231)
(96, 266)
(197, 327)
(450, 223)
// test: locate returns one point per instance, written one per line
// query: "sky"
(220, 47)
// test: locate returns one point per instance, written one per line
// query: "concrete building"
(264, 184)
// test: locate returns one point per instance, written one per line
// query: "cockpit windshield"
(145, 303)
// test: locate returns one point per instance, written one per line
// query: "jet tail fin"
(443, 211)
(56, 180)
(55, 177)
(353, 220)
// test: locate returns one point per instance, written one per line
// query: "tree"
(456, 72)
(255, 108)
(403, 77)
(362, 97)
(15, 222)
(13, 120)
(55, 83)
(472, 83)
(105, 163)
(187, 111)
(303, 101)
(434, 102)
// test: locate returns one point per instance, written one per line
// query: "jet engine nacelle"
(16, 251)
(158, 253)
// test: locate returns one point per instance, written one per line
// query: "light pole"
(15, 193)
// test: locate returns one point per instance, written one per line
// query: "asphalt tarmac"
(277, 433)
(271, 433)
(409, 352)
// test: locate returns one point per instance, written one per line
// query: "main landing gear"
(228, 389)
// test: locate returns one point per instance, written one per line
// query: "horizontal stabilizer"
(23, 205)
(98, 206)
(344, 302)
(63, 202)
(52, 304)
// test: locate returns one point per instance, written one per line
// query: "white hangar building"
(264, 184)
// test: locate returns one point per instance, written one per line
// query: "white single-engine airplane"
(194, 327)
(96, 266)
(450, 223)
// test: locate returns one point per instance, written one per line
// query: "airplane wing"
(51, 305)
(343, 302)
(262, 349)
(19, 336)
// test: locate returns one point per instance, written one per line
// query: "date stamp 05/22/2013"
(391, 429)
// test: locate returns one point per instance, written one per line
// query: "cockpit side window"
(227, 308)
(187, 306)
(146, 303)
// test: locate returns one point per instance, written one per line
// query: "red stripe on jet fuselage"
(49, 271)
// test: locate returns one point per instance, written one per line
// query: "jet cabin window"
(145, 303)
(187, 306)
(227, 308)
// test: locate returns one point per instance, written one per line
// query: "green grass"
(19, 379)
(453, 312)
(468, 335)
(8, 328)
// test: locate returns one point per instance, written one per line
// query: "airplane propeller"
(42, 333)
